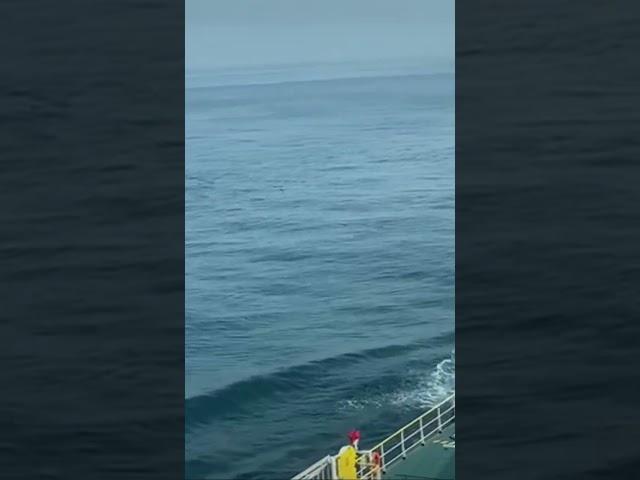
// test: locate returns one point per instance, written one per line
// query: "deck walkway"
(433, 461)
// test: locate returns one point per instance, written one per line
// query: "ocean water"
(319, 262)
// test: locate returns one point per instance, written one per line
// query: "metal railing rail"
(374, 462)
(323, 469)
(401, 442)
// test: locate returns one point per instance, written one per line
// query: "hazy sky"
(225, 33)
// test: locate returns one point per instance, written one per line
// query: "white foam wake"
(438, 385)
(422, 393)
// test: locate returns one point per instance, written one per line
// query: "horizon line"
(325, 79)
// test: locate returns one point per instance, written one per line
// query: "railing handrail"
(416, 420)
(319, 466)
(373, 471)
(319, 469)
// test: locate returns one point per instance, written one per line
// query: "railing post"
(439, 421)
(404, 452)
(382, 462)
(334, 470)
(421, 432)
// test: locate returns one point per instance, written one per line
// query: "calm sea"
(319, 262)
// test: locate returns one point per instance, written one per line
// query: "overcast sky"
(229, 33)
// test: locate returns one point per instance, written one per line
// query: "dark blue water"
(319, 263)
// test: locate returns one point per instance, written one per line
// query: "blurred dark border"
(92, 314)
(547, 240)
(92, 321)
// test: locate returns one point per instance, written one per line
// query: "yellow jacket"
(347, 463)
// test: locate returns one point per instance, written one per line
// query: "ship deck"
(433, 461)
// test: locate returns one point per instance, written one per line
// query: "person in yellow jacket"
(347, 458)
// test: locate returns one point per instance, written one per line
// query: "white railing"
(400, 443)
(324, 469)
(374, 462)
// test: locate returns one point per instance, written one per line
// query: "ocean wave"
(419, 392)
(239, 398)
(438, 385)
